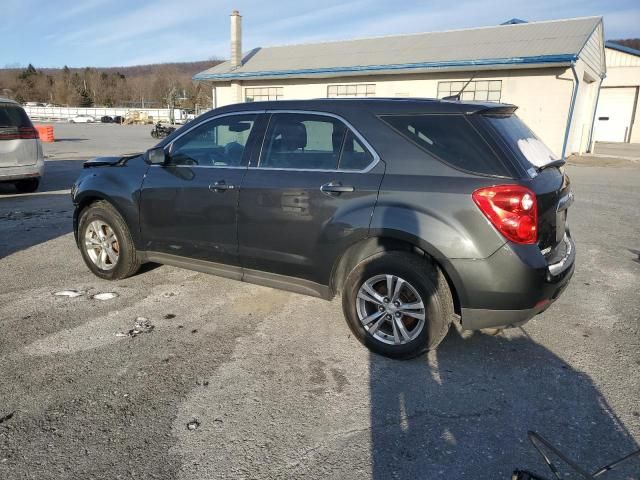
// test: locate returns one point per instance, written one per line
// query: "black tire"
(128, 262)
(425, 278)
(29, 185)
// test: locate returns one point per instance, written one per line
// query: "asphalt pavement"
(183, 375)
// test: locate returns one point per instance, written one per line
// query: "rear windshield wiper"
(555, 163)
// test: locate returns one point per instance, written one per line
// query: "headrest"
(289, 136)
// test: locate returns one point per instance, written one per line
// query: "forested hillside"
(629, 42)
(155, 85)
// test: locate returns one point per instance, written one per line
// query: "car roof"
(376, 105)
(7, 100)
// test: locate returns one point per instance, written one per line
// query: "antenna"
(457, 95)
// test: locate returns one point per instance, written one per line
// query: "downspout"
(574, 96)
(595, 111)
(214, 97)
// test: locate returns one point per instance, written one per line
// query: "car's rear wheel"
(27, 186)
(105, 242)
(397, 304)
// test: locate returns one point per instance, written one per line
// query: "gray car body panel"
(282, 231)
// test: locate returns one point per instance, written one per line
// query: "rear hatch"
(18, 138)
(541, 172)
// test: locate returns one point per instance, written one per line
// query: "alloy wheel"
(390, 309)
(101, 244)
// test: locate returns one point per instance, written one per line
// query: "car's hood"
(110, 161)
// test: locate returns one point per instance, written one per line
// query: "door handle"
(220, 186)
(336, 187)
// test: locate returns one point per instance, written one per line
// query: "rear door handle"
(220, 186)
(336, 187)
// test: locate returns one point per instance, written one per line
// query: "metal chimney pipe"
(236, 39)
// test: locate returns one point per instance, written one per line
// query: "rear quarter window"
(13, 116)
(450, 138)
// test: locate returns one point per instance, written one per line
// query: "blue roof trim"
(622, 48)
(563, 58)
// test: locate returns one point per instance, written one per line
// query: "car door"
(188, 205)
(310, 193)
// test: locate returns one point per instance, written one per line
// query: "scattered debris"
(168, 294)
(142, 325)
(169, 316)
(195, 330)
(204, 383)
(69, 293)
(193, 424)
(104, 296)
(7, 417)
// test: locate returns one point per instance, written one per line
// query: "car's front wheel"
(105, 242)
(397, 304)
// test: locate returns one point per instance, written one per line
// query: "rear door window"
(303, 141)
(450, 138)
(354, 155)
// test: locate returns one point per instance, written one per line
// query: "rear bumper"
(10, 174)
(512, 286)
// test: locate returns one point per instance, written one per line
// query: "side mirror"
(157, 156)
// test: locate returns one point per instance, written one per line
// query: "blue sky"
(103, 33)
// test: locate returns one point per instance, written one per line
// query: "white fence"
(65, 113)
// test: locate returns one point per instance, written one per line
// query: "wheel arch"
(387, 242)
(88, 198)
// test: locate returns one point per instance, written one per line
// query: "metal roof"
(622, 48)
(534, 44)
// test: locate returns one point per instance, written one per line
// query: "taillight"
(19, 133)
(512, 209)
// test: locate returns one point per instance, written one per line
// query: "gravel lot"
(230, 380)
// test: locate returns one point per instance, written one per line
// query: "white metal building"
(551, 70)
(616, 120)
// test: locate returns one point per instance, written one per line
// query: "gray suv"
(21, 159)
(419, 213)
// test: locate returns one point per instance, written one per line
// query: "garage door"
(614, 114)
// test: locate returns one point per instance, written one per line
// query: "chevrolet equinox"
(418, 212)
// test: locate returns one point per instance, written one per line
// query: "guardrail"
(66, 113)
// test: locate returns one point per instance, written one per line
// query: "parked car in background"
(419, 213)
(118, 119)
(106, 119)
(21, 159)
(82, 119)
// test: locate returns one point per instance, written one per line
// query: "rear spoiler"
(502, 110)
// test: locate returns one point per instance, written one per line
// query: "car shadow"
(464, 411)
(30, 219)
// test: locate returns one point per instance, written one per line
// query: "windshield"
(527, 147)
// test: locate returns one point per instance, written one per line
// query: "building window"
(352, 90)
(262, 93)
(481, 90)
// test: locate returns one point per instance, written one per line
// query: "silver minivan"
(21, 159)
